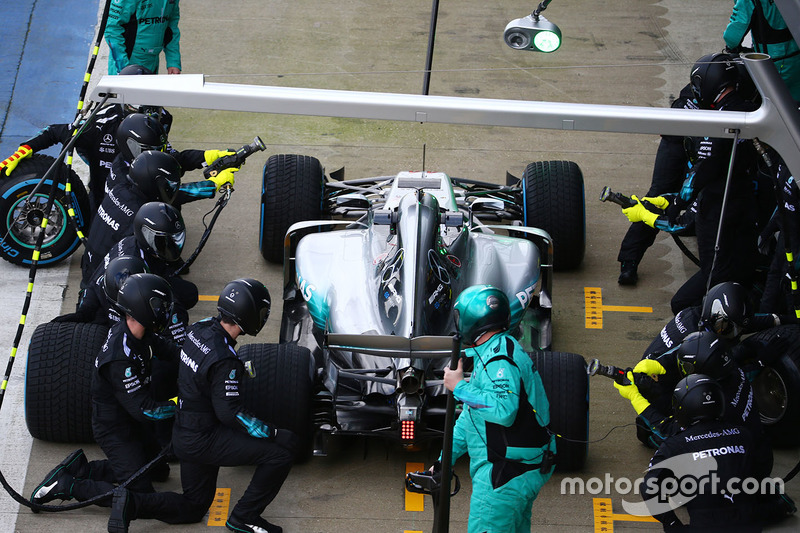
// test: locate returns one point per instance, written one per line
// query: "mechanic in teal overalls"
(137, 31)
(770, 36)
(502, 425)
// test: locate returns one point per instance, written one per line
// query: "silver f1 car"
(372, 268)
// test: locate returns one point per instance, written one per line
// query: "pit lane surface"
(630, 53)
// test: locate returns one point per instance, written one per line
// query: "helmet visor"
(137, 148)
(167, 246)
(687, 367)
(162, 310)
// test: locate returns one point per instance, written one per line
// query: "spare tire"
(280, 392)
(567, 386)
(291, 192)
(58, 379)
(21, 220)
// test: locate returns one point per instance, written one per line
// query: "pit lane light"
(534, 32)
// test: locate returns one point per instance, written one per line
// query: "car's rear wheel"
(280, 393)
(553, 198)
(567, 386)
(776, 386)
(21, 219)
(58, 380)
(291, 192)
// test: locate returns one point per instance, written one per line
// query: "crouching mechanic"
(721, 459)
(503, 424)
(124, 408)
(212, 427)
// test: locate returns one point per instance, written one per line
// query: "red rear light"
(407, 430)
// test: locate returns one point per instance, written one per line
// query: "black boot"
(57, 484)
(627, 273)
(121, 511)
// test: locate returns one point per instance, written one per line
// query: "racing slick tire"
(280, 392)
(776, 385)
(553, 197)
(21, 223)
(567, 386)
(58, 379)
(291, 192)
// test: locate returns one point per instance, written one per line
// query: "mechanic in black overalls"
(698, 405)
(212, 427)
(714, 80)
(158, 238)
(98, 301)
(96, 145)
(124, 404)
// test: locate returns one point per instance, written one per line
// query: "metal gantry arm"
(776, 122)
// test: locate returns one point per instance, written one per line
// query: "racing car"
(371, 270)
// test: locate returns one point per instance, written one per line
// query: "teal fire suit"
(770, 36)
(138, 30)
(502, 428)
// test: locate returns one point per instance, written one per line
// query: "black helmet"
(157, 175)
(697, 397)
(159, 230)
(148, 299)
(725, 310)
(711, 75)
(139, 132)
(134, 70)
(246, 302)
(478, 309)
(118, 270)
(703, 352)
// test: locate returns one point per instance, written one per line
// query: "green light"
(547, 41)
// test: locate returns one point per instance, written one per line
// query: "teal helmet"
(479, 309)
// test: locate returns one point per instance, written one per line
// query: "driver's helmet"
(703, 352)
(725, 310)
(148, 299)
(697, 397)
(139, 132)
(478, 309)
(710, 76)
(159, 230)
(157, 175)
(119, 269)
(246, 302)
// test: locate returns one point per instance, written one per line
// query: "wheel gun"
(607, 195)
(234, 160)
(617, 374)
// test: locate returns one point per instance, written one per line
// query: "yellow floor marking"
(218, 513)
(414, 501)
(593, 297)
(604, 516)
(208, 298)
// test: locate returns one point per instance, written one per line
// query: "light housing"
(536, 34)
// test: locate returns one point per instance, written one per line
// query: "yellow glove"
(225, 177)
(13, 160)
(213, 155)
(631, 392)
(639, 213)
(657, 201)
(651, 367)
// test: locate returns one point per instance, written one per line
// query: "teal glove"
(639, 213)
(224, 178)
(213, 155)
(12, 161)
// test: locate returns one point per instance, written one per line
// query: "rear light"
(407, 430)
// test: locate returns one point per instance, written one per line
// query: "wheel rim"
(25, 219)
(771, 396)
